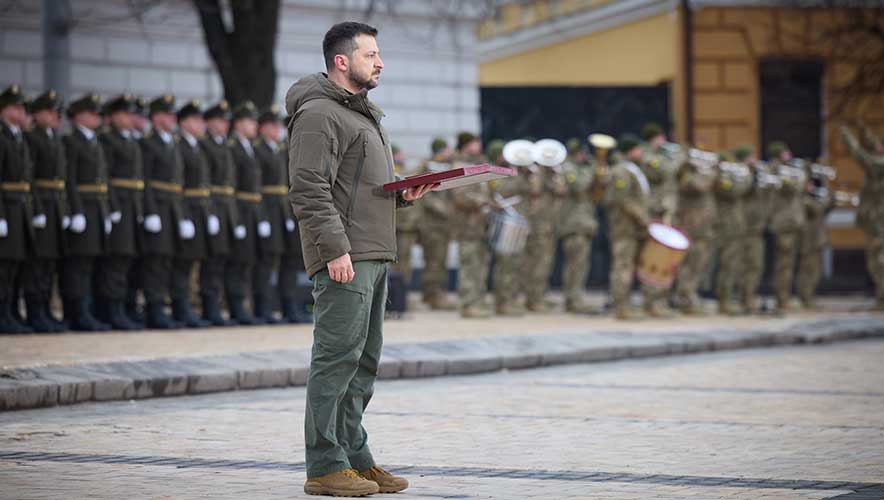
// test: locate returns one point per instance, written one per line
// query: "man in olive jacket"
(340, 158)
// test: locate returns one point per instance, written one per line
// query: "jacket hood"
(318, 86)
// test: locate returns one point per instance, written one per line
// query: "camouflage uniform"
(540, 249)
(787, 223)
(756, 211)
(814, 238)
(730, 198)
(435, 233)
(696, 216)
(870, 214)
(661, 169)
(626, 200)
(509, 278)
(407, 225)
(470, 203)
(577, 225)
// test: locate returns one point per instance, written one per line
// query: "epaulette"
(231, 142)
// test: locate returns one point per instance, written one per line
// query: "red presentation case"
(456, 177)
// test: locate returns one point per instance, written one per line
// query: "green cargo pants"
(347, 340)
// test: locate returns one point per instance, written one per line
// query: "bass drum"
(508, 233)
(663, 252)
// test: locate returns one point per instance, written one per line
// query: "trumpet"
(822, 172)
(845, 199)
(602, 144)
(736, 170)
(672, 148)
(703, 161)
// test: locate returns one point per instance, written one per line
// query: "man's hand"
(341, 269)
(417, 192)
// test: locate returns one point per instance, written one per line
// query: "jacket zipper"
(357, 176)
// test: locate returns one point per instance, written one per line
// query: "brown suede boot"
(387, 483)
(343, 483)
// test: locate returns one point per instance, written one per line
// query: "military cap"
(438, 144)
(627, 142)
(651, 130)
(742, 152)
(141, 106)
(465, 138)
(89, 103)
(724, 155)
(124, 103)
(191, 108)
(47, 100)
(574, 145)
(270, 114)
(11, 96)
(776, 148)
(162, 104)
(245, 109)
(495, 148)
(220, 110)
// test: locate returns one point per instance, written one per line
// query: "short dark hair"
(341, 39)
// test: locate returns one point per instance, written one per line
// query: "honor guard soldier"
(126, 190)
(163, 222)
(435, 233)
(50, 211)
(140, 126)
(223, 217)
(196, 209)
(284, 243)
(627, 200)
(87, 190)
(16, 231)
(252, 224)
(140, 119)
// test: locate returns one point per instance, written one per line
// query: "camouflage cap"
(742, 152)
(190, 109)
(465, 138)
(271, 114)
(11, 96)
(89, 103)
(776, 148)
(651, 130)
(574, 145)
(438, 144)
(245, 110)
(47, 100)
(220, 110)
(724, 155)
(495, 148)
(162, 104)
(627, 142)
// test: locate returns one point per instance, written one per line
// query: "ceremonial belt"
(248, 196)
(225, 190)
(92, 188)
(169, 187)
(56, 184)
(278, 189)
(120, 182)
(197, 193)
(19, 187)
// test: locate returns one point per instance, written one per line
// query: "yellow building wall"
(728, 44)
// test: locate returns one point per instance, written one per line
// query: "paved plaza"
(791, 422)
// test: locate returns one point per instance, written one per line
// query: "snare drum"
(661, 255)
(507, 232)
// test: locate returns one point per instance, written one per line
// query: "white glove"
(39, 221)
(78, 223)
(153, 223)
(116, 217)
(289, 225)
(65, 222)
(264, 229)
(186, 229)
(4, 228)
(213, 225)
(108, 225)
(239, 232)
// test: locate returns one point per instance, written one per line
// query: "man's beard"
(361, 83)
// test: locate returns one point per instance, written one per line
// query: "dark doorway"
(792, 105)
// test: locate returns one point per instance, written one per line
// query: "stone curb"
(62, 385)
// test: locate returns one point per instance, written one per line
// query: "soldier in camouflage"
(787, 222)
(577, 226)
(435, 233)
(818, 202)
(407, 226)
(870, 214)
(755, 213)
(731, 188)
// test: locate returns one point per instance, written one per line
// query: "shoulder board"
(231, 142)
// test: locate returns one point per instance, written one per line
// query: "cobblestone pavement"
(784, 423)
(72, 347)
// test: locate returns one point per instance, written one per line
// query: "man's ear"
(341, 62)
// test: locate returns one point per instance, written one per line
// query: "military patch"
(726, 184)
(571, 178)
(620, 184)
(655, 163)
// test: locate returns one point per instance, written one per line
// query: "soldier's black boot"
(157, 317)
(8, 324)
(238, 312)
(82, 319)
(38, 319)
(116, 316)
(183, 313)
(132, 309)
(263, 310)
(212, 312)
